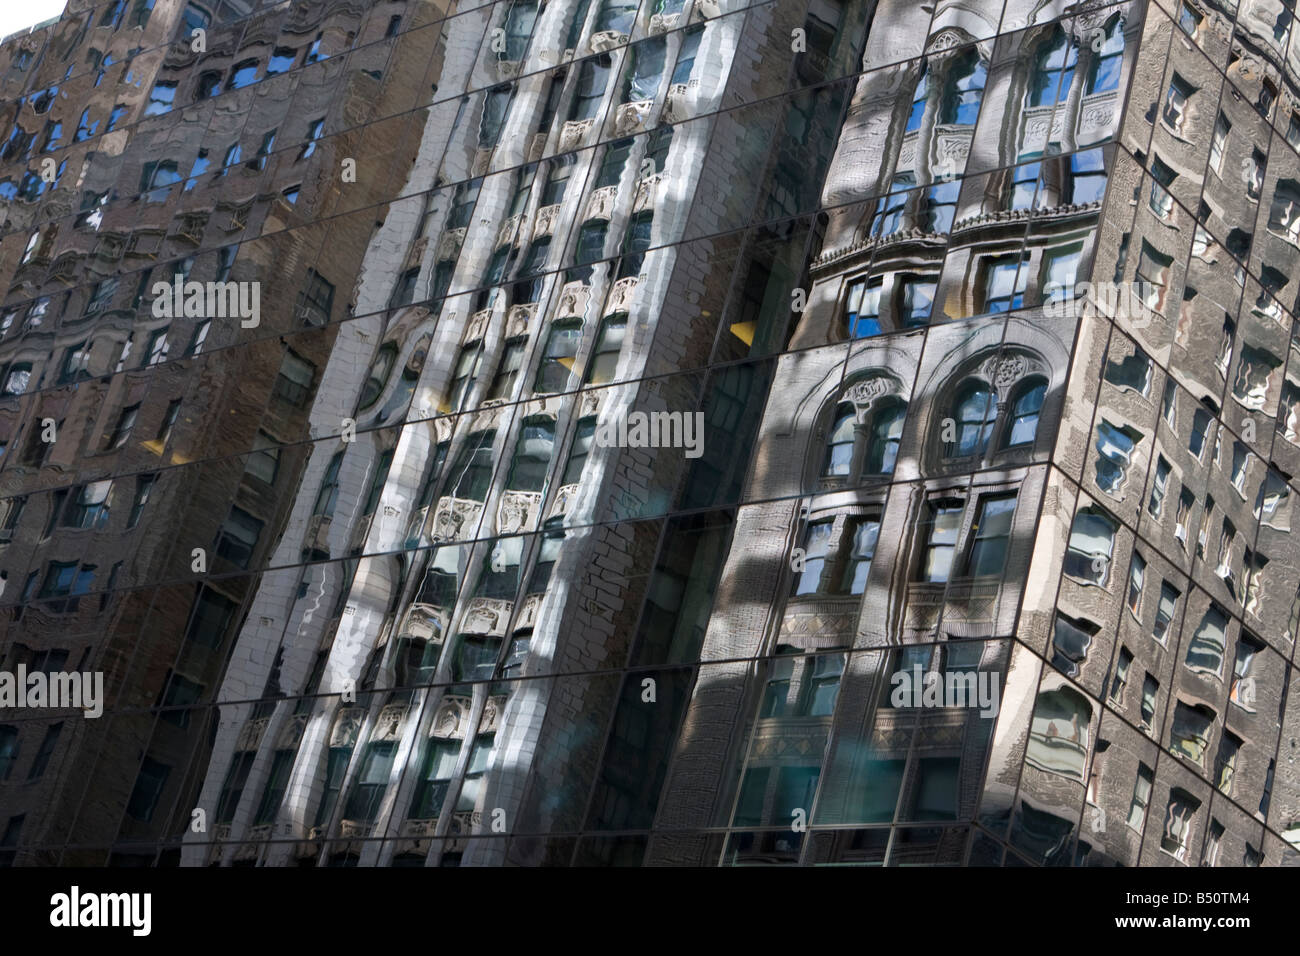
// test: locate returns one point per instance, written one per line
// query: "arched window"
(1054, 70)
(839, 448)
(1058, 735)
(965, 90)
(1103, 75)
(883, 437)
(1026, 406)
(974, 413)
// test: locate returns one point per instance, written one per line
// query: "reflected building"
(963, 337)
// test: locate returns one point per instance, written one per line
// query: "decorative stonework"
(346, 726)
(456, 519)
(573, 301)
(508, 229)
(449, 243)
(424, 622)
(621, 295)
(452, 718)
(491, 719)
(519, 318)
(388, 726)
(291, 733)
(601, 203)
(573, 133)
(518, 511)
(631, 118)
(607, 40)
(477, 326)
(487, 616)
(251, 736)
(563, 499)
(647, 190)
(528, 608)
(663, 22)
(546, 219)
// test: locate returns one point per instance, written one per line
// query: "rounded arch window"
(839, 447)
(1026, 406)
(974, 413)
(883, 437)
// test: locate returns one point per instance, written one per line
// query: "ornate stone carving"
(676, 106)
(477, 325)
(507, 230)
(601, 203)
(546, 219)
(528, 608)
(646, 191)
(389, 724)
(491, 718)
(449, 243)
(456, 518)
(452, 717)
(518, 511)
(573, 300)
(292, 732)
(607, 40)
(620, 296)
(1003, 371)
(563, 499)
(251, 735)
(346, 726)
(663, 22)
(486, 616)
(631, 118)
(573, 133)
(424, 622)
(863, 393)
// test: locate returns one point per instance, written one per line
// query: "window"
(974, 414)
(532, 455)
(862, 535)
(156, 351)
(1178, 823)
(1026, 406)
(1150, 690)
(883, 437)
(1092, 539)
(590, 90)
(943, 521)
(609, 344)
(960, 105)
(1160, 200)
(315, 302)
(1060, 270)
(495, 103)
(122, 430)
(1213, 838)
(238, 536)
(1152, 277)
(156, 180)
(1165, 611)
(315, 129)
(920, 94)
(161, 98)
(148, 789)
(1054, 72)
(817, 540)
(464, 376)
(635, 243)
(1004, 284)
(1136, 575)
(1219, 143)
(1137, 811)
(591, 243)
(991, 536)
(1115, 446)
(862, 308)
(916, 301)
(1058, 734)
(503, 383)
(615, 16)
(1159, 486)
(581, 447)
(436, 772)
(889, 218)
(1120, 680)
(8, 751)
(557, 179)
(1243, 683)
(558, 357)
(686, 56)
(462, 205)
(17, 378)
(1254, 374)
(1133, 372)
(90, 506)
(371, 782)
(143, 486)
(1071, 638)
(1106, 62)
(1175, 108)
(1189, 18)
(293, 383)
(1205, 650)
(472, 473)
(645, 69)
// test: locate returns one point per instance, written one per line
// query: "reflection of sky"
(21, 16)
